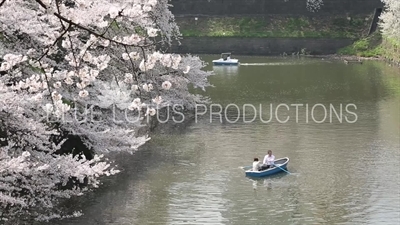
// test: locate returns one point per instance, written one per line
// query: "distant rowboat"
(280, 166)
(226, 60)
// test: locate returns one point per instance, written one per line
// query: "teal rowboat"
(280, 166)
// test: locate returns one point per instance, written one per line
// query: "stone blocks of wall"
(265, 7)
(259, 46)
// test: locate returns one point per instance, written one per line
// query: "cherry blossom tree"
(93, 69)
(314, 5)
(391, 19)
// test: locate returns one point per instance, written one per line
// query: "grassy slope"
(365, 47)
(374, 46)
(275, 27)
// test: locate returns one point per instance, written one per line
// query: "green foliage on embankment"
(374, 46)
(365, 47)
(275, 26)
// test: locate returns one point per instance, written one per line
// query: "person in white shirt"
(268, 161)
(256, 165)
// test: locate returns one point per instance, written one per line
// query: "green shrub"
(365, 47)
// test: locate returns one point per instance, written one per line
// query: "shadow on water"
(270, 177)
(270, 182)
(135, 170)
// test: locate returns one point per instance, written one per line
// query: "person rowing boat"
(268, 161)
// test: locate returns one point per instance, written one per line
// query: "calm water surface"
(342, 173)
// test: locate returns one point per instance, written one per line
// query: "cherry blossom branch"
(73, 53)
(169, 72)
(58, 10)
(102, 36)
(93, 32)
(47, 81)
(55, 42)
(133, 68)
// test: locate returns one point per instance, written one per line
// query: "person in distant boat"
(268, 161)
(256, 165)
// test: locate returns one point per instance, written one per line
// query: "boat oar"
(245, 167)
(281, 168)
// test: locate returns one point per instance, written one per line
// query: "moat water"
(342, 172)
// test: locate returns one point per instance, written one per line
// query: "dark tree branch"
(134, 69)
(55, 42)
(58, 10)
(2, 2)
(41, 4)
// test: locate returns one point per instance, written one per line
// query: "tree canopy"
(93, 69)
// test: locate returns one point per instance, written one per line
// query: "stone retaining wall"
(259, 46)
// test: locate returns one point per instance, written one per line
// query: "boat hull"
(283, 162)
(225, 63)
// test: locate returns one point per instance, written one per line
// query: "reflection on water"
(226, 70)
(196, 203)
(341, 173)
